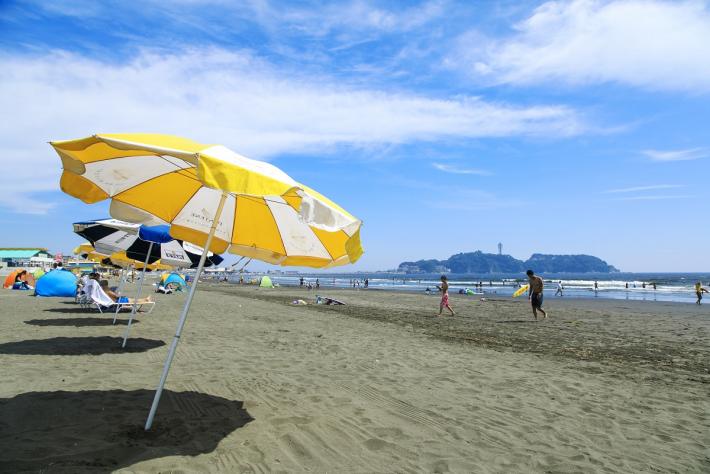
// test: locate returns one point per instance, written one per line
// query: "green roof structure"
(19, 253)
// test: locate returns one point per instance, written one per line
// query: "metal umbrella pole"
(120, 289)
(183, 316)
(138, 295)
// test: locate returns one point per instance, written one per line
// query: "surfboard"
(521, 290)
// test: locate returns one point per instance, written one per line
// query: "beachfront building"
(25, 257)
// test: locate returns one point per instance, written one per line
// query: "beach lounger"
(103, 302)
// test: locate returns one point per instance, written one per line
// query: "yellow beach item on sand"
(162, 179)
(521, 290)
(211, 197)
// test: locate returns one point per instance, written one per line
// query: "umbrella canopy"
(161, 179)
(127, 242)
(211, 197)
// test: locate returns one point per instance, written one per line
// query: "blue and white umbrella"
(140, 242)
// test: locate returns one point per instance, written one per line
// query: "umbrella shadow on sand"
(78, 346)
(102, 431)
(78, 322)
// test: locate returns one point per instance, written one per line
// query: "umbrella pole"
(183, 316)
(120, 289)
(138, 295)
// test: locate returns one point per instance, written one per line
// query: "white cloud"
(653, 44)
(343, 17)
(230, 98)
(653, 187)
(677, 155)
(458, 170)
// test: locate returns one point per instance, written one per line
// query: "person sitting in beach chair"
(104, 298)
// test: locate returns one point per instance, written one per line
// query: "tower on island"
(500, 248)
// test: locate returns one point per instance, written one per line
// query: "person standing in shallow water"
(444, 288)
(699, 290)
(535, 293)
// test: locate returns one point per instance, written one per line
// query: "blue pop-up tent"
(176, 279)
(56, 283)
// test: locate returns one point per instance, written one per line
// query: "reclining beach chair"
(82, 295)
(104, 303)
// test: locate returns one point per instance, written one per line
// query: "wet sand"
(378, 385)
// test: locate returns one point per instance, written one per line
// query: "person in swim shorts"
(535, 293)
(699, 290)
(444, 288)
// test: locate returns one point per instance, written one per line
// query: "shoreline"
(639, 293)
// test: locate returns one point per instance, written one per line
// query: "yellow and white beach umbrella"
(159, 179)
(211, 197)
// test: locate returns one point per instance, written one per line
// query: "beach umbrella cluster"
(141, 243)
(212, 197)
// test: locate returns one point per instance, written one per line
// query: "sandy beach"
(378, 385)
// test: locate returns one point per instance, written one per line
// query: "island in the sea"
(479, 262)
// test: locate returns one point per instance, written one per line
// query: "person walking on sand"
(444, 289)
(699, 290)
(559, 288)
(535, 293)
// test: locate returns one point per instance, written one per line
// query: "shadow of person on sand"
(102, 431)
(78, 322)
(78, 346)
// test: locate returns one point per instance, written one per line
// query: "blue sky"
(554, 127)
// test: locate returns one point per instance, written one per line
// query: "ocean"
(674, 287)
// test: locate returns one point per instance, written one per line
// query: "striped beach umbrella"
(141, 243)
(211, 197)
(116, 259)
(160, 179)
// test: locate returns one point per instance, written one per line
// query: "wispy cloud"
(446, 168)
(345, 17)
(643, 188)
(233, 98)
(653, 198)
(677, 155)
(653, 44)
(467, 199)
